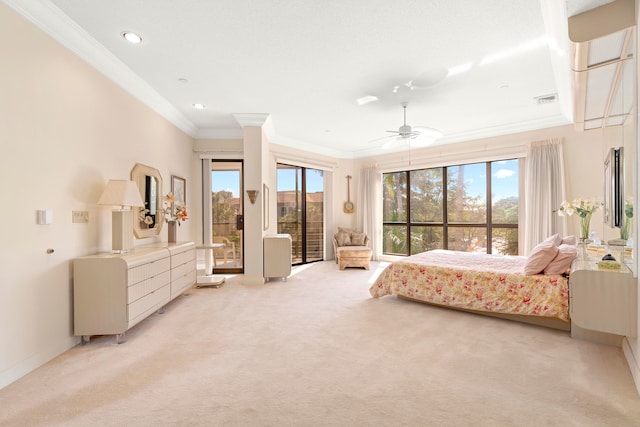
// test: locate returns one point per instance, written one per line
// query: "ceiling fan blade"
(421, 142)
(384, 137)
(428, 132)
(391, 143)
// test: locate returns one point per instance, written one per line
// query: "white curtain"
(370, 202)
(544, 192)
(206, 202)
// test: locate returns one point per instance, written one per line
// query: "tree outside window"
(447, 208)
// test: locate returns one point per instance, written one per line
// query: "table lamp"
(123, 193)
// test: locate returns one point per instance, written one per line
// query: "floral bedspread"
(475, 281)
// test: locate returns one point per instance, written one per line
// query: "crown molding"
(50, 19)
(251, 119)
(512, 128)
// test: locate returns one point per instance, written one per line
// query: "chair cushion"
(357, 239)
(343, 238)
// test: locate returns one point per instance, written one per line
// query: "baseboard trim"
(32, 363)
(632, 362)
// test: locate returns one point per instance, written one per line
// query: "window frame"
(489, 225)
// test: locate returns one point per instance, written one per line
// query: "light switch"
(44, 216)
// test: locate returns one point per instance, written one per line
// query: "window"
(470, 208)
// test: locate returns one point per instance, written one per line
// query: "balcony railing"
(315, 239)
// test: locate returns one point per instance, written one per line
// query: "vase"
(625, 231)
(172, 226)
(585, 224)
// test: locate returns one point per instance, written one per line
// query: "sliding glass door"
(301, 211)
(226, 216)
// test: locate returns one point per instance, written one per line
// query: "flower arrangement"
(584, 208)
(144, 218)
(172, 210)
(625, 231)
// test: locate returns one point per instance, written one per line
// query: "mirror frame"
(138, 175)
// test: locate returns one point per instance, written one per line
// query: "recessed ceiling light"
(183, 80)
(198, 106)
(131, 37)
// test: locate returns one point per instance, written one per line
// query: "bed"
(493, 285)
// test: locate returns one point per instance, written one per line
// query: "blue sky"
(505, 180)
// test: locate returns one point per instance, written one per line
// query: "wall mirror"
(619, 133)
(148, 221)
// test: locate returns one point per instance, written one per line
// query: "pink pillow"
(540, 257)
(562, 262)
(570, 240)
(556, 239)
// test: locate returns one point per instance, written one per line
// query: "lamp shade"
(121, 192)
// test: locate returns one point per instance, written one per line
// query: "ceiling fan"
(414, 137)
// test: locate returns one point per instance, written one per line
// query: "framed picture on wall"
(179, 190)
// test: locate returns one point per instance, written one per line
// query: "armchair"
(351, 249)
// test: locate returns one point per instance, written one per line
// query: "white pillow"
(540, 257)
(570, 240)
(556, 239)
(562, 262)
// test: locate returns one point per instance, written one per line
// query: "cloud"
(504, 173)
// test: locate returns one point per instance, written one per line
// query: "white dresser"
(114, 292)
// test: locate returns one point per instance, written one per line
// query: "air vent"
(546, 99)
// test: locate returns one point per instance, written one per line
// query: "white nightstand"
(602, 300)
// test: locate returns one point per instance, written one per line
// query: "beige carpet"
(317, 350)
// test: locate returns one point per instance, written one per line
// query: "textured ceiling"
(305, 62)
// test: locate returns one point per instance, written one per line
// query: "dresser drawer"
(145, 287)
(179, 284)
(144, 306)
(183, 257)
(183, 269)
(144, 271)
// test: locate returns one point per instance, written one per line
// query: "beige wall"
(65, 130)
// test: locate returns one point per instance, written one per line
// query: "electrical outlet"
(79, 216)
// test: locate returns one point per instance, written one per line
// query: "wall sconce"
(121, 193)
(253, 194)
